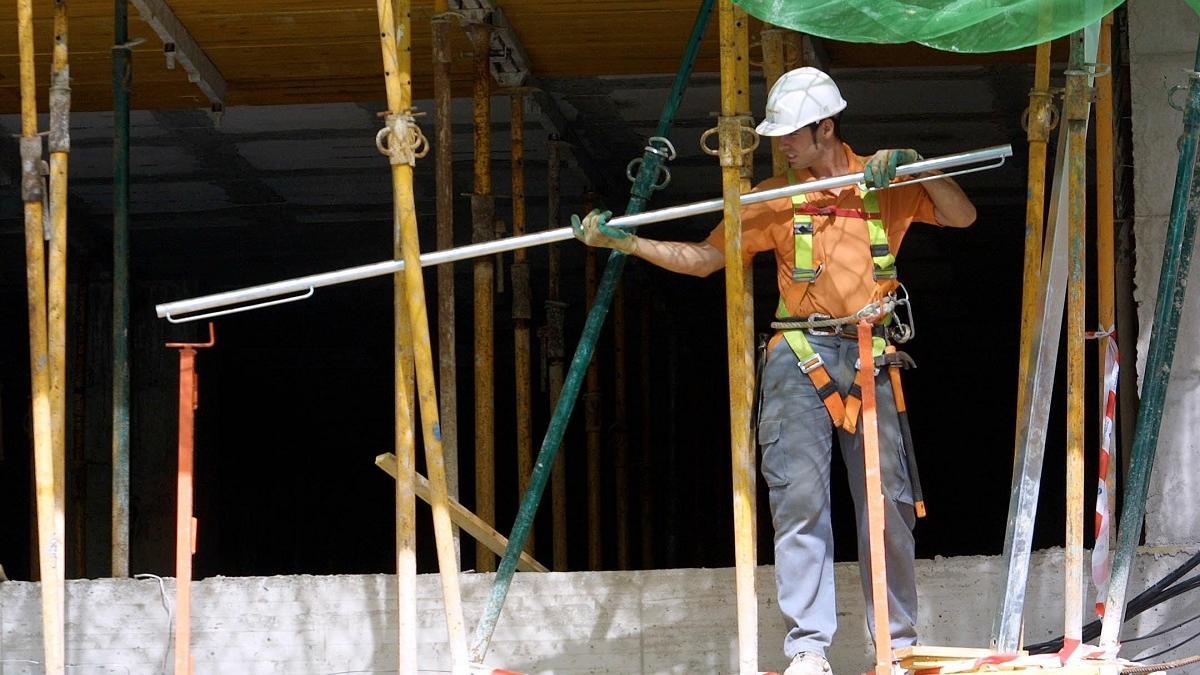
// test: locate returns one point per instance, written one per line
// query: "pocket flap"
(768, 431)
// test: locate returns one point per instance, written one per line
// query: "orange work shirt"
(840, 243)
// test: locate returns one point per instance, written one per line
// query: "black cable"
(1156, 594)
(1171, 649)
(1164, 631)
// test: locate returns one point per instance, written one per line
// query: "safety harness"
(843, 412)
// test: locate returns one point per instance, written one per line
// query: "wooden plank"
(935, 652)
(469, 522)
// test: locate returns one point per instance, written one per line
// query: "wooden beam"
(469, 522)
(179, 45)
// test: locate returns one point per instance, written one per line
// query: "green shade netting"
(951, 25)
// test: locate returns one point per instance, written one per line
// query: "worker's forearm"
(698, 259)
(951, 205)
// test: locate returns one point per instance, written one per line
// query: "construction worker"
(831, 263)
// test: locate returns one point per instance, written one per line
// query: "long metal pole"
(1034, 416)
(60, 150)
(50, 519)
(732, 155)
(1172, 285)
(522, 311)
(1105, 247)
(555, 353)
(395, 43)
(772, 65)
(639, 195)
(444, 174)
(482, 214)
(1076, 114)
(627, 221)
(122, 76)
(1041, 112)
(185, 533)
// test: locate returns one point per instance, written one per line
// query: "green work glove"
(593, 231)
(881, 168)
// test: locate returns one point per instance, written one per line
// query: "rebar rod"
(639, 194)
(1172, 285)
(632, 219)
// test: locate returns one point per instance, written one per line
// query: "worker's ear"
(825, 129)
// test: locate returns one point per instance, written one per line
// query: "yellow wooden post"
(404, 141)
(732, 156)
(1041, 114)
(522, 310)
(773, 67)
(60, 150)
(1075, 108)
(50, 519)
(482, 211)
(1105, 256)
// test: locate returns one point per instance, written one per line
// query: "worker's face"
(803, 146)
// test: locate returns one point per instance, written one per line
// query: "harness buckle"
(811, 363)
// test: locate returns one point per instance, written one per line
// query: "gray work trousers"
(796, 435)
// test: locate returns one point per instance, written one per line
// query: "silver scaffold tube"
(265, 295)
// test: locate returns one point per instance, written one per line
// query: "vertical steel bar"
(620, 429)
(640, 193)
(732, 156)
(49, 508)
(1075, 109)
(1172, 285)
(1105, 248)
(522, 311)
(482, 212)
(555, 314)
(396, 48)
(773, 67)
(444, 175)
(1040, 114)
(874, 497)
(60, 150)
(122, 79)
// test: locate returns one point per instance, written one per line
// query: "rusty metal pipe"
(444, 200)
(482, 215)
(522, 311)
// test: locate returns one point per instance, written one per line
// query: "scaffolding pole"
(1172, 285)
(554, 351)
(522, 306)
(122, 77)
(50, 519)
(643, 187)
(404, 143)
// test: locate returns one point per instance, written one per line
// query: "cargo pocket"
(774, 460)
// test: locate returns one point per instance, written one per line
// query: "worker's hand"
(594, 232)
(881, 168)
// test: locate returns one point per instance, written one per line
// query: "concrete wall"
(669, 621)
(1162, 43)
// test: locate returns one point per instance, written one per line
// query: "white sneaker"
(808, 663)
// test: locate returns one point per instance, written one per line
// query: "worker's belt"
(847, 330)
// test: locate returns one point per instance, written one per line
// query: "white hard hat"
(800, 97)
